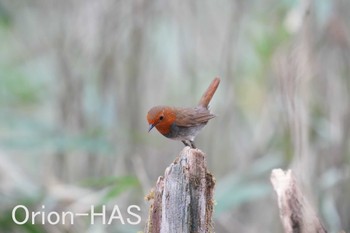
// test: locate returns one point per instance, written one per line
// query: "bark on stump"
(296, 213)
(183, 198)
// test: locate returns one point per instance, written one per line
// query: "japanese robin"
(183, 123)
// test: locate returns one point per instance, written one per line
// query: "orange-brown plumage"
(208, 94)
(183, 123)
(161, 117)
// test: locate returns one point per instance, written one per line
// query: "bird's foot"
(191, 144)
(185, 143)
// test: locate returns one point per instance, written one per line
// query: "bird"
(183, 124)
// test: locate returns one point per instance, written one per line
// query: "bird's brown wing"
(188, 117)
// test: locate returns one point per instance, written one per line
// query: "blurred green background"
(78, 77)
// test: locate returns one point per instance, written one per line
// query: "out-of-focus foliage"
(78, 77)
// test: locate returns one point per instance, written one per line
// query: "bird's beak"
(150, 127)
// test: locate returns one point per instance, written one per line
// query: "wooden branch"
(296, 213)
(183, 199)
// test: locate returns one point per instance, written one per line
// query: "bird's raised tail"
(208, 94)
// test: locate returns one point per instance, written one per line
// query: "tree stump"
(183, 198)
(296, 213)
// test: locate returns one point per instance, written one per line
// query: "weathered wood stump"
(296, 213)
(183, 198)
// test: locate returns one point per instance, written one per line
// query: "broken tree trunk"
(183, 198)
(296, 213)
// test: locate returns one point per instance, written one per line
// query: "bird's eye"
(161, 118)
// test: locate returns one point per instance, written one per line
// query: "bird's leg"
(192, 144)
(184, 142)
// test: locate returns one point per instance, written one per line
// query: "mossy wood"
(183, 198)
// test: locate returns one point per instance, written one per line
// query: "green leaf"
(116, 185)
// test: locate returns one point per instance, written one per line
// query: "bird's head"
(161, 117)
